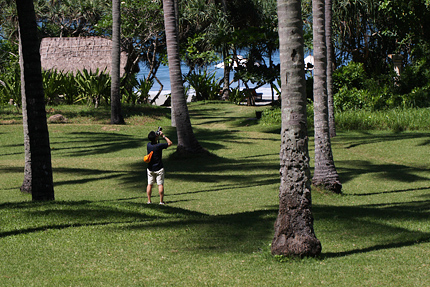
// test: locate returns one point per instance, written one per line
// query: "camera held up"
(158, 131)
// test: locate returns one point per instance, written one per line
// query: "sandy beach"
(265, 91)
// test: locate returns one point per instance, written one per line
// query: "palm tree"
(116, 116)
(325, 173)
(294, 234)
(330, 66)
(38, 169)
(187, 142)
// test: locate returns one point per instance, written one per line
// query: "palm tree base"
(332, 185)
(292, 244)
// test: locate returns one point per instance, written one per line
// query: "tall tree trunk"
(330, 66)
(226, 85)
(187, 141)
(294, 234)
(116, 115)
(172, 106)
(325, 173)
(227, 68)
(39, 182)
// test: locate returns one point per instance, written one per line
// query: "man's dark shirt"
(156, 160)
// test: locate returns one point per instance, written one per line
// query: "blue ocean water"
(163, 76)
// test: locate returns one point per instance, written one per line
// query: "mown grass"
(218, 222)
(396, 119)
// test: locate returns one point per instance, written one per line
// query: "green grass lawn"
(217, 225)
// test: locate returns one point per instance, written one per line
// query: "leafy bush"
(70, 90)
(415, 84)
(353, 90)
(350, 76)
(419, 97)
(349, 99)
(236, 96)
(271, 116)
(94, 86)
(56, 85)
(10, 87)
(135, 90)
(205, 85)
(10, 82)
(142, 90)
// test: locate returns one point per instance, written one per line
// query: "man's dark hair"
(152, 136)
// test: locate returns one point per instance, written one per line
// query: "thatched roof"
(75, 54)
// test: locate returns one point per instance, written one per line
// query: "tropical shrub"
(10, 86)
(70, 90)
(139, 92)
(53, 86)
(350, 76)
(414, 84)
(10, 79)
(94, 86)
(236, 96)
(353, 90)
(205, 85)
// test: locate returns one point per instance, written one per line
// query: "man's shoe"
(148, 202)
(162, 203)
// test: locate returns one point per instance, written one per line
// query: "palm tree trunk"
(116, 115)
(39, 181)
(226, 85)
(330, 66)
(325, 173)
(187, 141)
(294, 234)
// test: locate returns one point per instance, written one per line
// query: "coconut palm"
(325, 173)
(330, 66)
(294, 234)
(38, 169)
(187, 141)
(116, 116)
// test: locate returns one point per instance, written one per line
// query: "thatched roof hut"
(76, 54)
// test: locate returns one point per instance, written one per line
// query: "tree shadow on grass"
(221, 173)
(57, 215)
(389, 191)
(76, 144)
(371, 228)
(350, 169)
(103, 113)
(366, 137)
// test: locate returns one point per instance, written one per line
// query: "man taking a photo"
(155, 168)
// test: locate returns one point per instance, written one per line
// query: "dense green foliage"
(354, 89)
(205, 85)
(84, 87)
(218, 222)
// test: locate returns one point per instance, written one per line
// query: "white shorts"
(155, 176)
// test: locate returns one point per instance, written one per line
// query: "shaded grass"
(218, 223)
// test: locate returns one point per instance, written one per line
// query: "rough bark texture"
(187, 141)
(294, 234)
(36, 136)
(325, 173)
(116, 115)
(330, 66)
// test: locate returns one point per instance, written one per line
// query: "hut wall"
(79, 53)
